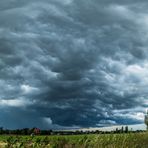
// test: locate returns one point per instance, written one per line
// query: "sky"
(73, 63)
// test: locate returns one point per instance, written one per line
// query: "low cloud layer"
(73, 63)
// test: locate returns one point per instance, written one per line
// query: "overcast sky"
(73, 63)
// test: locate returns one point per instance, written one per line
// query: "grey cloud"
(73, 62)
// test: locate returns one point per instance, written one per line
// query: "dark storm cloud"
(73, 63)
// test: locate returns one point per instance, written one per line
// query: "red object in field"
(36, 131)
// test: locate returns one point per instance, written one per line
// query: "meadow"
(127, 140)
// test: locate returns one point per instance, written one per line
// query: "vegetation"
(37, 131)
(124, 140)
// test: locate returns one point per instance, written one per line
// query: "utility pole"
(146, 120)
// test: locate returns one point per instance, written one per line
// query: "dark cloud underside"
(73, 63)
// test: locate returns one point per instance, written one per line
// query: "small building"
(37, 131)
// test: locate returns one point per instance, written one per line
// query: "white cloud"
(120, 11)
(47, 120)
(66, 2)
(26, 89)
(14, 103)
(106, 123)
(130, 115)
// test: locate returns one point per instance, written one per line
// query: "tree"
(126, 129)
(122, 129)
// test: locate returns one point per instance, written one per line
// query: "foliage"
(129, 140)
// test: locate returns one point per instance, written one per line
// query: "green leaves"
(127, 140)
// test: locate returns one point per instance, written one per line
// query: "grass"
(130, 140)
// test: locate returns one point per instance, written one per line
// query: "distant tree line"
(25, 131)
(37, 131)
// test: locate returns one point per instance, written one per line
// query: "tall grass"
(130, 140)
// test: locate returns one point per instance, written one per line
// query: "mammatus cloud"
(73, 63)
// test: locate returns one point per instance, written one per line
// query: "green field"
(130, 140)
